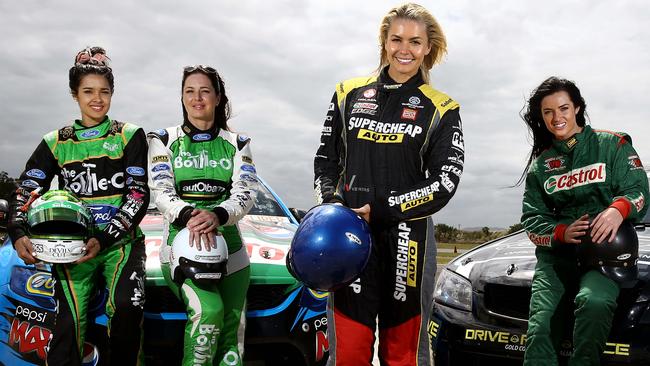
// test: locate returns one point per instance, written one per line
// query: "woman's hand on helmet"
(203, 221)
(25, 250)
(577, 229)
(363, 211)
(605, 225)
(92, 249)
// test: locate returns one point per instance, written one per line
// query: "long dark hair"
(542, 137)
(222, 110)
(90, 60)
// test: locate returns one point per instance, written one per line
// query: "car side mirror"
(298, 213)
(4, 213)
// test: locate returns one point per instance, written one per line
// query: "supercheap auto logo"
(382, 132)
(589, 174)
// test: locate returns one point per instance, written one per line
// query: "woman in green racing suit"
(202, 177)
(578, 181)
(103, 162)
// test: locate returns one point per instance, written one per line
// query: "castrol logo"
(589, 174)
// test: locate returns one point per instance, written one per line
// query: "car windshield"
(265, 204)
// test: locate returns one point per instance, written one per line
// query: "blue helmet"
(330, 248)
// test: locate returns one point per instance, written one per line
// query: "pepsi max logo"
(201, 137)
(89, 134)
(248, 168)
(135, 170)
(36, 173)
(102, 214)
(160, 168)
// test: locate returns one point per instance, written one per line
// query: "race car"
(286, 322)
(482, 297)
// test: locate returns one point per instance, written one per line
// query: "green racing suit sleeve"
(630, 182)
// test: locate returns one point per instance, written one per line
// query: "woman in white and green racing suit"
(202, 177)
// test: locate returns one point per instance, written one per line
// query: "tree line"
(448, 234)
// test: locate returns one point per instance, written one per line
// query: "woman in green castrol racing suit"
(103, 162)
(202, 177)
(574, 174)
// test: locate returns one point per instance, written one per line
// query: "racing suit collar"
(84, 133)
(198, 135)
(387, 84)
(569, 144)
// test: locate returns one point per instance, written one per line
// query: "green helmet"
(58, 227)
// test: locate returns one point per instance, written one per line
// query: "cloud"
(281, 60)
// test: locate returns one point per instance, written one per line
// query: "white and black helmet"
(199, 265)
(58, 227)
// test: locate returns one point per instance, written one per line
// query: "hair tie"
(86, 57)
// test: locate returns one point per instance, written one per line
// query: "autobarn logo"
(594, 173)
(86, 181)
(203, 188)
(200, 160)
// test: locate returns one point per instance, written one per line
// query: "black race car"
(480, 315)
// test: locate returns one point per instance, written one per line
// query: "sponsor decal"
(202, 187)
(205, 343)
(639, 202)
(138, 291)
(511, 342)
(29, 184)
(402, 270)
(457, 141)
(161, 132)
(246, 159)
(351, 187)
(135, 170)
(540, 240)
(102, 214)
(370, 93)
(160, 159)
(554, 163)
(89, 134)
(457, 159)
(368, 124)
(35, 173)
(322, 344)
(594, 173)
(327, 131)
(248, 178)
(386, 138)
(624, 256)
(452, 169)
(446, 102)
(414, 198)
(619, 349)
(40, 283)
(248, 168)
(414, 100)
(353, 238)
(29, 338)
(200, 161)
(364, 111)
(160, 167)
(86, 182)
(571, 143)
(356, 286)
(364, 105)
(633, 160)
(432, 328)
(330, 107)
(446, 182)
(201, 137)
(411, 276)
(23, 312)
(110, 147)
(242, 138)
(329, 118)
(408, 113)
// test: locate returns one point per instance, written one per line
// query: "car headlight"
(453, 290)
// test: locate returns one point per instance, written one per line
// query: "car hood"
(510, 260)
(267, 240)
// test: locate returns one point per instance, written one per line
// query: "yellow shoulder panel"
(344, 87)
(442, 101)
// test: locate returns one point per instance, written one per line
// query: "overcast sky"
(281, 60)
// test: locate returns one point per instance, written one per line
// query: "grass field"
(446, 251)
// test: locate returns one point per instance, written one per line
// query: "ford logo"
(135, 170)
(160, 167)
(248, 168)
(201, 137)
(89, 134)
(36, 173)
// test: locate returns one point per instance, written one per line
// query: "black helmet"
(616, 260)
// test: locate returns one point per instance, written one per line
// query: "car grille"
(265, 296)
(509, 301)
